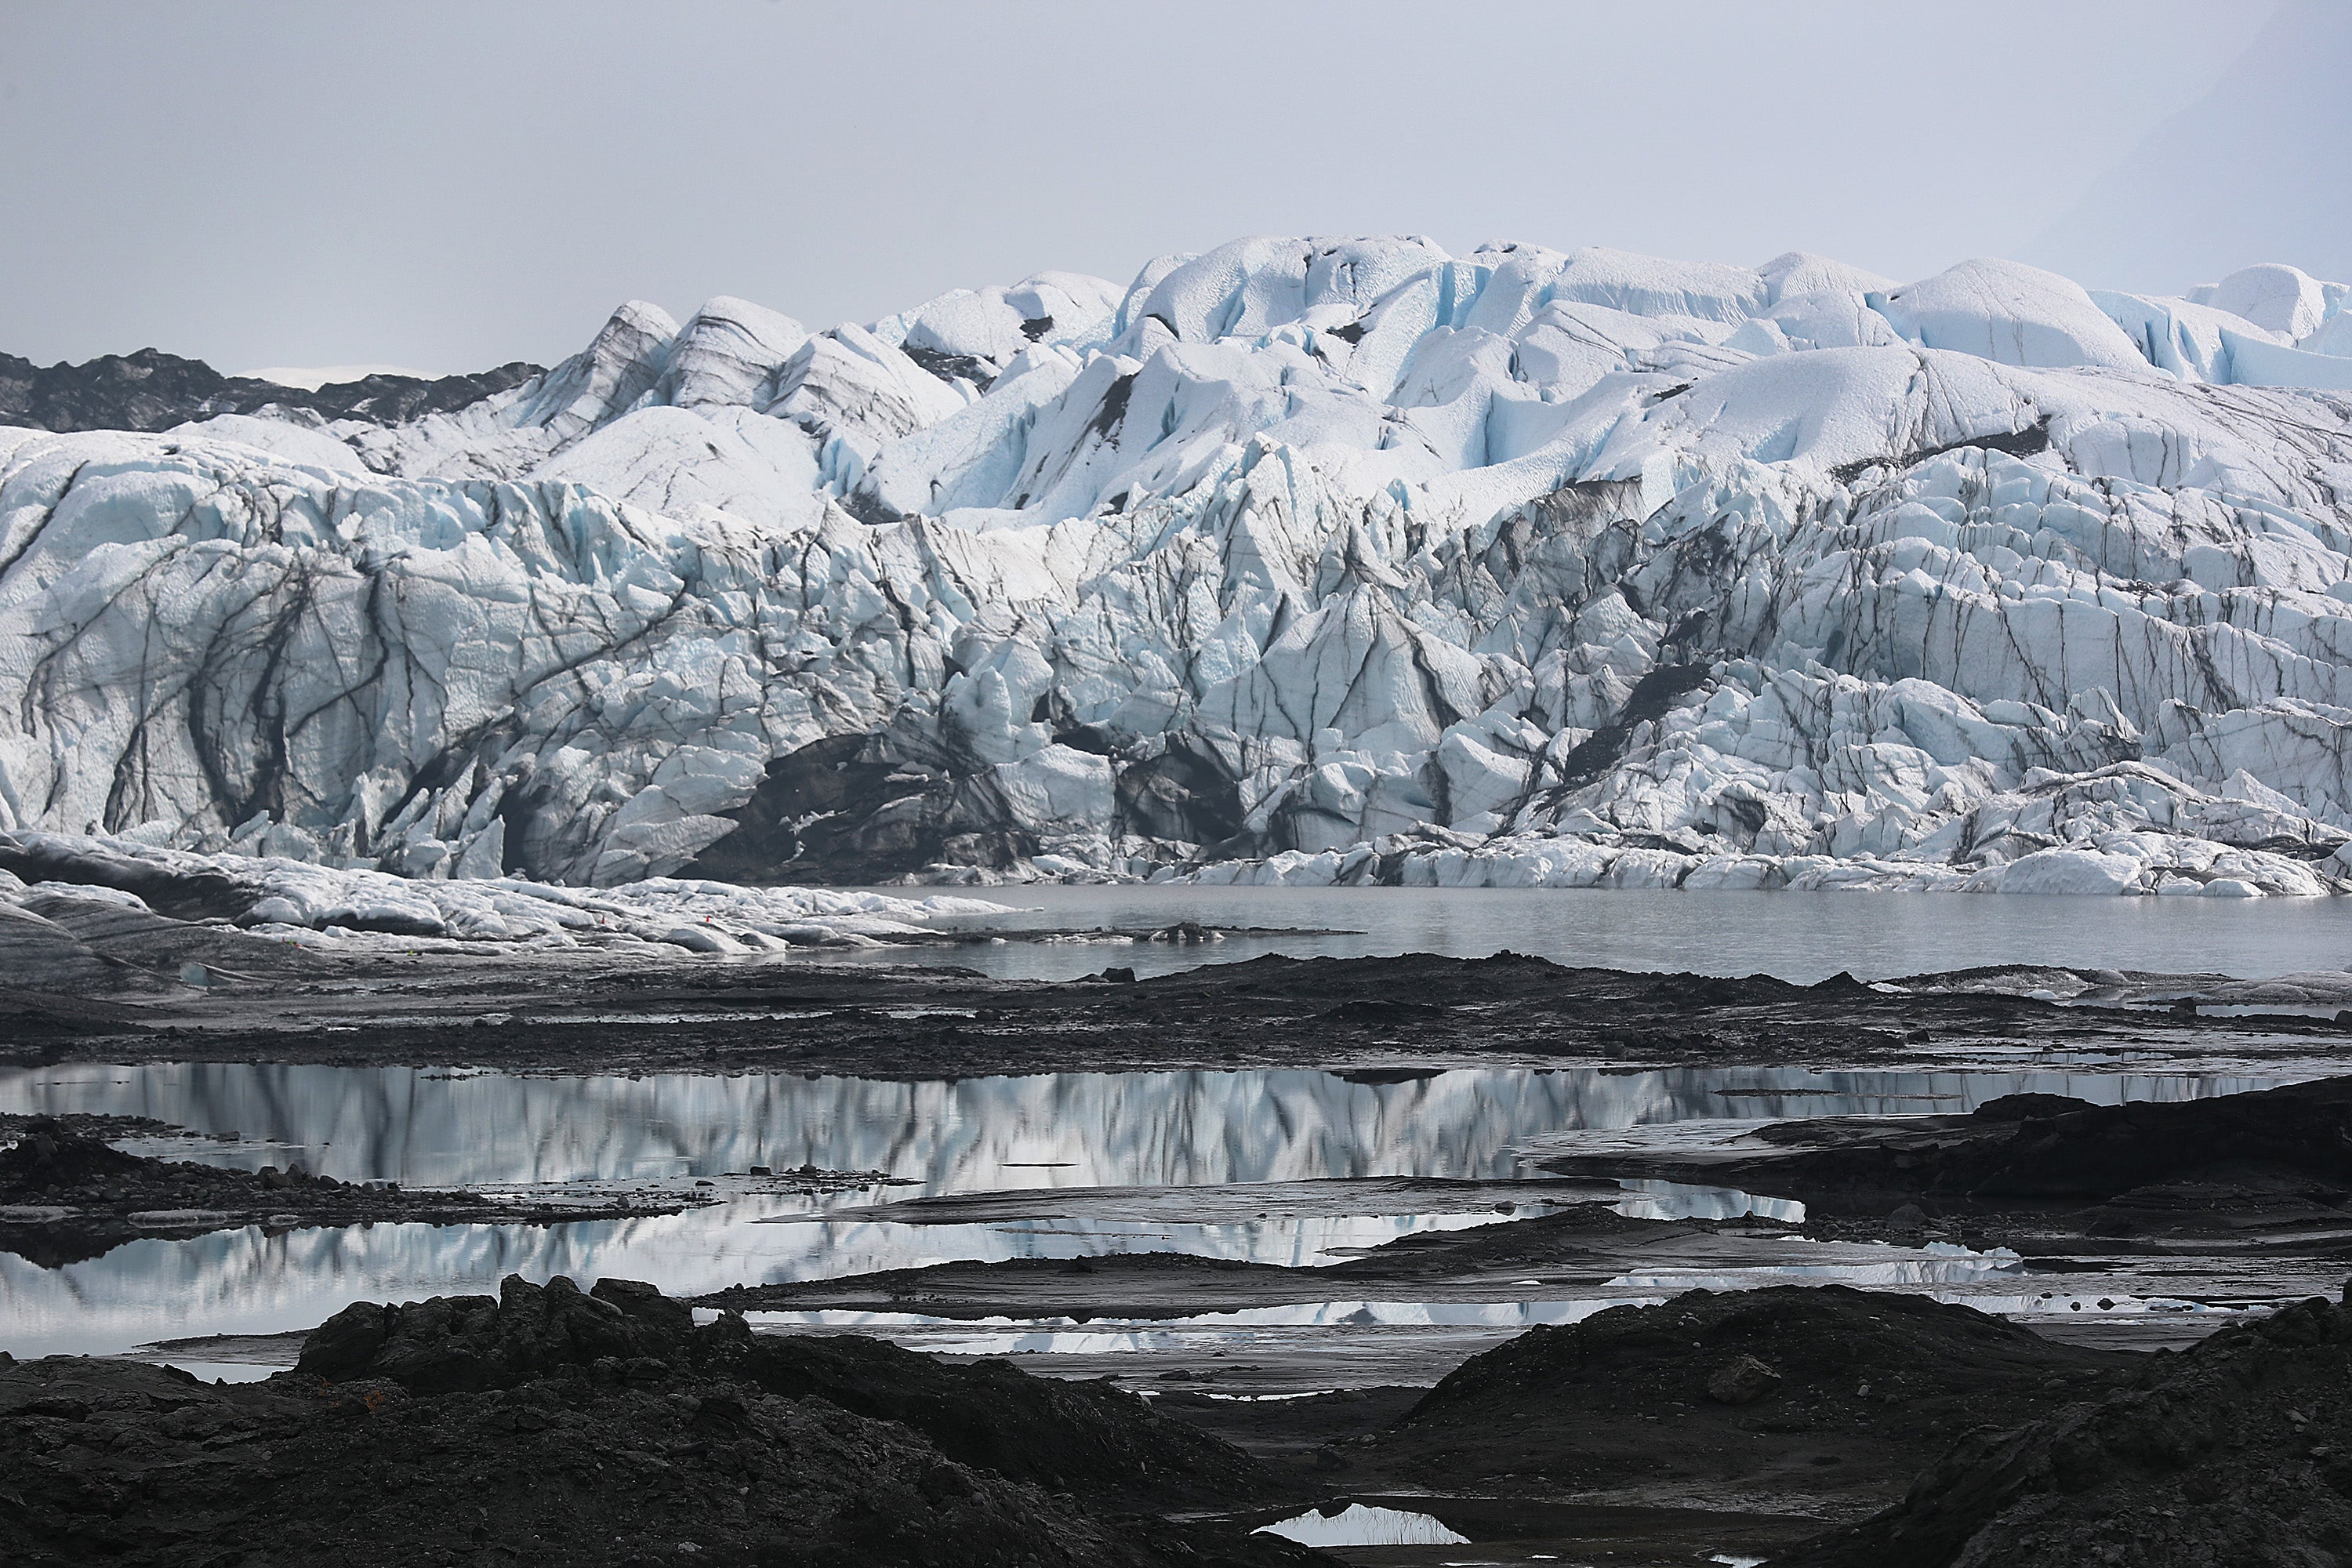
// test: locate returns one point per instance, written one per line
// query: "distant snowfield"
(309, 379)
(1301, 561)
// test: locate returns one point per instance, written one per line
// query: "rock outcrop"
(1043, 1430)
(152, 390)
(1808, 1390)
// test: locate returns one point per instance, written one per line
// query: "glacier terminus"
(1301, 561)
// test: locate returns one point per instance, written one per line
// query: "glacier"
(1298, 561)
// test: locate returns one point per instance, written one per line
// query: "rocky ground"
(1815, 1426)
(2237, 1454)
(1818, 1427)
(1819, 1392)
(1786, 1409)
(150, 390)
(550, 1426)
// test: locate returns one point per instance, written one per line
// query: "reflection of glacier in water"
(1243, 1329)
(1049, 1130)
(1802, 939)
(431, 1127)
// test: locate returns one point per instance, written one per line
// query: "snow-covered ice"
(290, 899)
(1298, 561)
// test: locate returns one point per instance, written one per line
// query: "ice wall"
(1299, 559)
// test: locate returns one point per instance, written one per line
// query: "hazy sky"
(448, 185)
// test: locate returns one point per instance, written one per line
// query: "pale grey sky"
(448, 185)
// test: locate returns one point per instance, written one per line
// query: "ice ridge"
(1299, 559)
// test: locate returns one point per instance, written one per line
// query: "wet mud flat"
(2279, 1151)
(1573, 1253)
(518, 1011)
(1408, 1312)
(67, 1194)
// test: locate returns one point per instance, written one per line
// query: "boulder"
(1743, 1380)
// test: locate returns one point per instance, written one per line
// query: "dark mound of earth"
(67, 1194)
(2292, 1144)
(1044, 1430)
(2236, 1454)
(1012, 1286)
(2045, 1148)
(1795, 1389)
(548, 1426)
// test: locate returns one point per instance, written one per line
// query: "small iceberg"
(1358, 1525)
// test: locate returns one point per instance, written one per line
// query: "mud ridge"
(66, 1194)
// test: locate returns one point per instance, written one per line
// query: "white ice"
(1301, 561)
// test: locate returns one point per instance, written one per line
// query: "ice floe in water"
(1361, 1524)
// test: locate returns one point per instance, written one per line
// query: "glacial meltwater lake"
(1800, 937)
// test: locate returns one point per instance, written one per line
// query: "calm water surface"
(1170, 1130)
(1802, 937)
